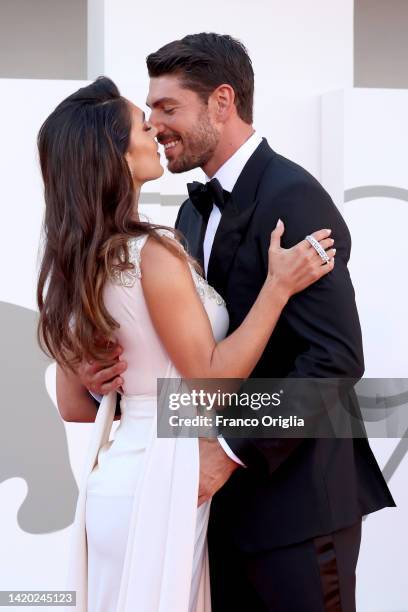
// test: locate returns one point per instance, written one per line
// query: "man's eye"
(169, 111)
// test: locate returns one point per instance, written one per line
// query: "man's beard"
(198, 148)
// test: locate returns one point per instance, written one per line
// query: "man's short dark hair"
(206, 61)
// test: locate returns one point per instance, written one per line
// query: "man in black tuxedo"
(285, 523)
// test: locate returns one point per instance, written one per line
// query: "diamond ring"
(318, 248)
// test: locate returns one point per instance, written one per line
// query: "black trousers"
(313, 576)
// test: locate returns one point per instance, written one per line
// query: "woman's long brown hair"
(89, 217)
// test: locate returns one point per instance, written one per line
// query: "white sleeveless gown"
(139, 540)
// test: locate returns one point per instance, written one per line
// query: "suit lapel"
(236, 217)
(192, 226)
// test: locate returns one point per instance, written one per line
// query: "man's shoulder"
(289, 191)
(284, 173)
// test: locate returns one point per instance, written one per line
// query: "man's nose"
(153, 120)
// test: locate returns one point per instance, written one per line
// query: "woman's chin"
(160, 170)
(154, 176)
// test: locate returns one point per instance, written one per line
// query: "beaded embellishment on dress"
(127, 278)
(204, 289)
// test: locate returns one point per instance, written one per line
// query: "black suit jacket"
(292, 489)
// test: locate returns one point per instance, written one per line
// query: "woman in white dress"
(108, 278)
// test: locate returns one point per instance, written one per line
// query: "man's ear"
(222, 102)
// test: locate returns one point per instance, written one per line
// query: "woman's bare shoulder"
(164, 260)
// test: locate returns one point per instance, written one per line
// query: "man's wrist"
(96, 396)
(227, 450)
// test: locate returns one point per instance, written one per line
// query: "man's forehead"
(164, 89)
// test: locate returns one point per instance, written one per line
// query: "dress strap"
(135, 246)
(127, 278)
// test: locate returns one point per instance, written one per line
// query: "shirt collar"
(229, 172)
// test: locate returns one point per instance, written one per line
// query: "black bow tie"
(204, 196)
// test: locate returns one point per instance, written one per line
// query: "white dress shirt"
(227, 176)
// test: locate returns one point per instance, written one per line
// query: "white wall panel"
(364, 138)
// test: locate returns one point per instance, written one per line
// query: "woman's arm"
(182, 323)
(185, 330)
(75, 404)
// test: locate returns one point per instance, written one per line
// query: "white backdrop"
(364, 155)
